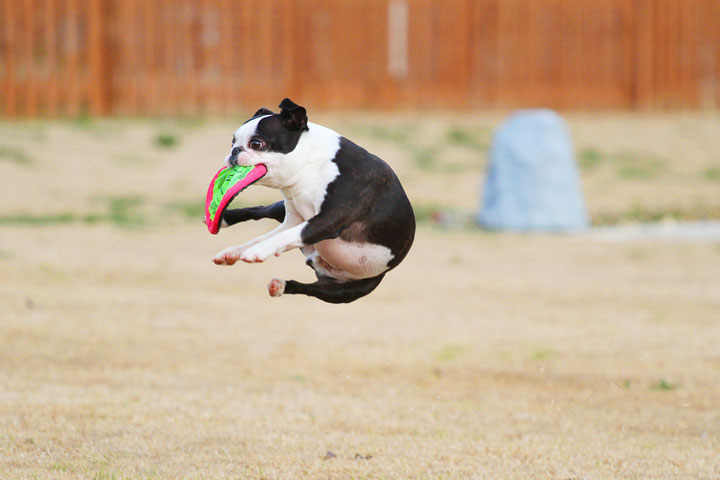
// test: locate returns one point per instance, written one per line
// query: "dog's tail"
(326, 289)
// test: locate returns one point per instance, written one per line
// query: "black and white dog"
(343, 207)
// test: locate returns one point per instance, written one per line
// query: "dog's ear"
(294, 116)
(262, 112)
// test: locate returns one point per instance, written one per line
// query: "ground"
(126, 353)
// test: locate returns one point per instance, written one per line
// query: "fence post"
(99, 98)
(290, 18)
(644, 53)
(9, 85)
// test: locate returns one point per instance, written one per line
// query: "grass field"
(125, 353)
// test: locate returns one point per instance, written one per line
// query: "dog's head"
(267, 138)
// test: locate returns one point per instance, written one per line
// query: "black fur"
(262, 112)
(294, 116)
(332, 291)
(274, 132)
(275, 211)
(365, 203)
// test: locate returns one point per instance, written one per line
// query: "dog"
(343, 207)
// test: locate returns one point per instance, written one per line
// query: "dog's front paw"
(257, 253)
(228, 256)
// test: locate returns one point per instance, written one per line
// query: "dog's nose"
(233, 156)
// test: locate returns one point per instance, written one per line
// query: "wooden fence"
(147, 57)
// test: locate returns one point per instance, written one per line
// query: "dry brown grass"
(125, 353)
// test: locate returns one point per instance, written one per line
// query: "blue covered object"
(532, 181)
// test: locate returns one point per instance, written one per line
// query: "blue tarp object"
(532, 181)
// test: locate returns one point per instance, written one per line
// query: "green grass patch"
(424, 155)
(123, 211)
(627, 165)
(638, 166)
(84, 121)
(166, 140)
(542, 354)
(31, 219)
(589, 158)
(711, 173)
(119, 211)
(14, 155)
(190, 210)
(63, 467)
(663, 385)
(103, 474)
(61, 218)
(466, 138)
(397, 134)
(427, 213)
(425, 158)
(642, 214)
(452, 351)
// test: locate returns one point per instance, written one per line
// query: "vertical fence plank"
(222, 91)
(644, 22)
(688, 66)
(139, 43)
(626, 46)
(134, 52)
(149, 47)
(169, 53)
(290, 40)
(9, 84)
(486, 62)
(715, 79)
(50, 45)
(71, 53)
(188, 58)
(97, 57)
(30, 74)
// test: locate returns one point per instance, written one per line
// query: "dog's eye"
(233, 141)
(256, 144)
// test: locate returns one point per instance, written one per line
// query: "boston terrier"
(343, 207)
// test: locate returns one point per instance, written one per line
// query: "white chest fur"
(314, 170)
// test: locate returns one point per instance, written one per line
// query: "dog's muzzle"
(234, 154)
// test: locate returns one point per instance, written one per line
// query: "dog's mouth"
(233, 162)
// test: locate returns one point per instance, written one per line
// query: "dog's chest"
(307, 195)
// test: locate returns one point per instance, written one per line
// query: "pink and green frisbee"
(225, 185)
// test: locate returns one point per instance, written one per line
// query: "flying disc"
(225, 185)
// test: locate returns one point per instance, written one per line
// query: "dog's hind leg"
(326, 289)
(275, 211)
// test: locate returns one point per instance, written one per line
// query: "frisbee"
(225, 185)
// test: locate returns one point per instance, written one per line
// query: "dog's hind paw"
(276, 287)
